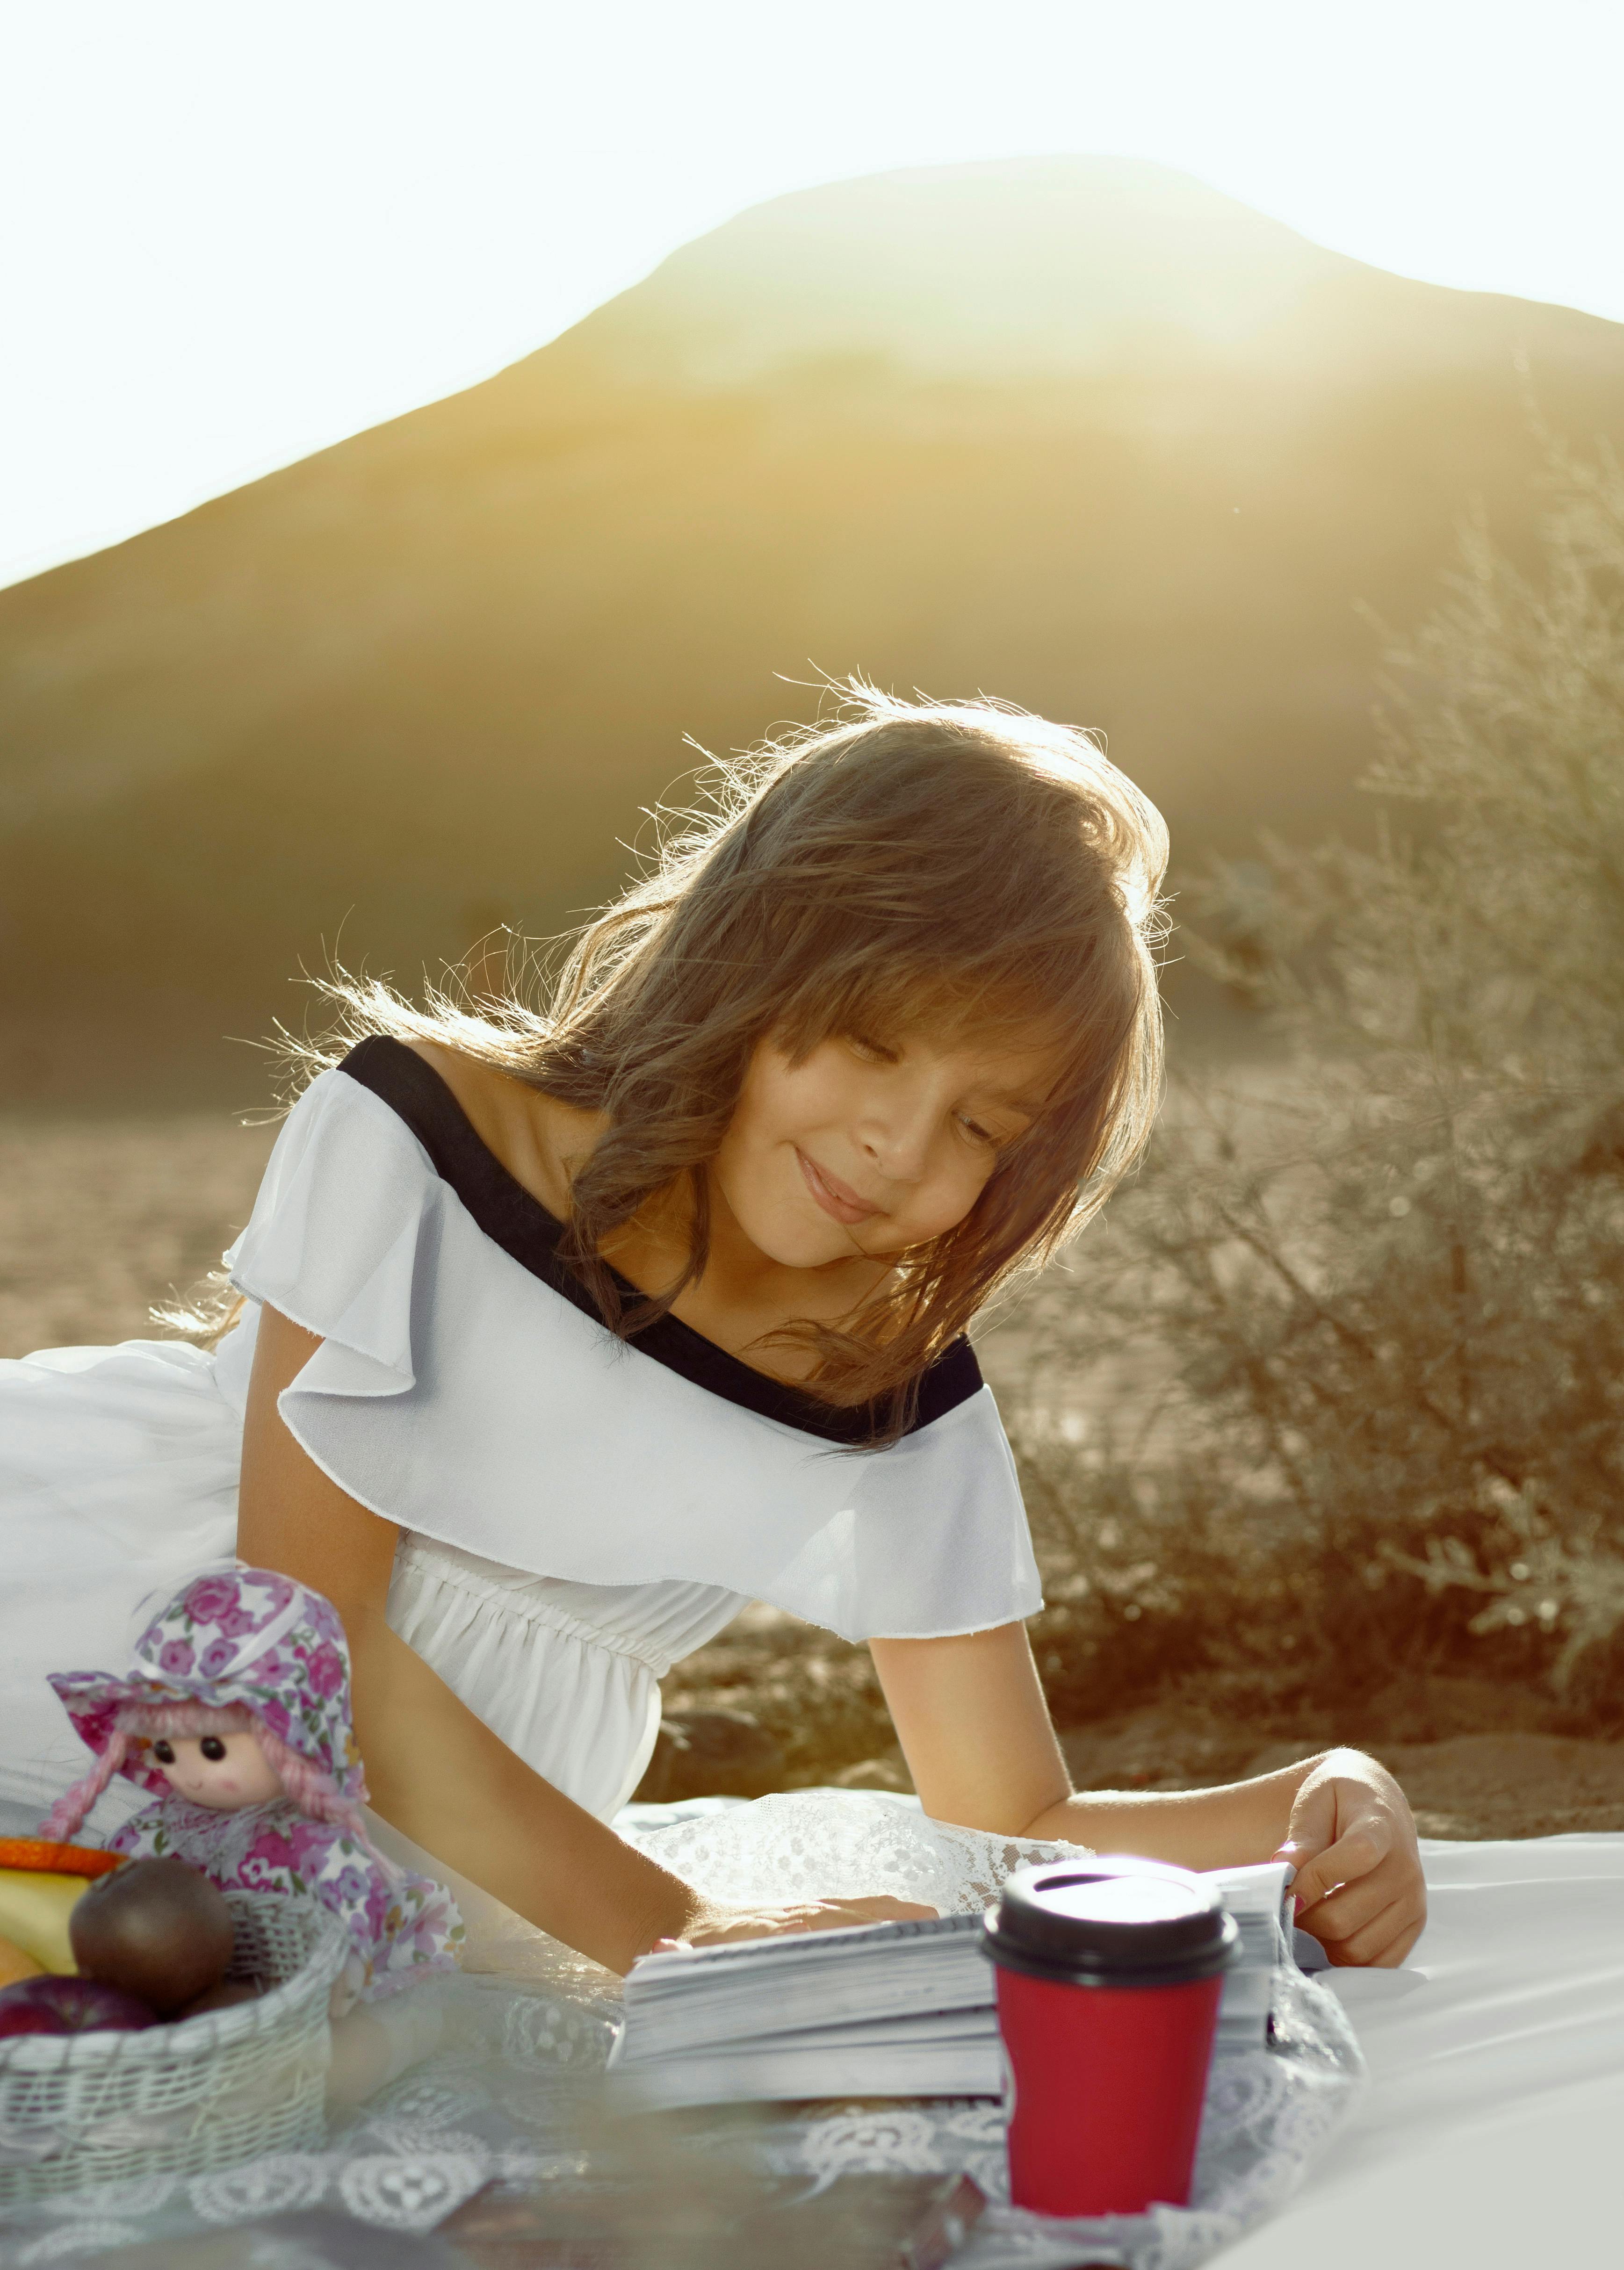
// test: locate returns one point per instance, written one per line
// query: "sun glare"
(246, 233)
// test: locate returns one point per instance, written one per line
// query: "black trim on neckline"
(511, 1217)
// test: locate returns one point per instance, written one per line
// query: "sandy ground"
(99, 1219)
(1507, 1782)
(1485, 1785)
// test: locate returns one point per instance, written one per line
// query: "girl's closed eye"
(997, 1124)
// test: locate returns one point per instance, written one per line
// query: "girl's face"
(226, 1771)
(867, 1148)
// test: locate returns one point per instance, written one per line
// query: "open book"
(892, 2009)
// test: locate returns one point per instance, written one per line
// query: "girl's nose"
(897, 1136)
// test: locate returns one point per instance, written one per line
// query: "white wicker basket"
(90, 2108)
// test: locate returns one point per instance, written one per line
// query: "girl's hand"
(1359, 1885)
(714, 1925)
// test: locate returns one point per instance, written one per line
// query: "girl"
(566, 1333)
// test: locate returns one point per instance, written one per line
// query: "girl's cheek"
(947, 1205)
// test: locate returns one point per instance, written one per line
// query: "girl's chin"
(805, 1253)
(814, 1242)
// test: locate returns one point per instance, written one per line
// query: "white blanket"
(1489, 2134)
(1491, 2131)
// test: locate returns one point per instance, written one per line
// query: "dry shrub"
(1337, 1392)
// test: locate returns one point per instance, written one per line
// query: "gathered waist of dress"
(653, 1625)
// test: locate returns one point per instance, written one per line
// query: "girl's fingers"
(1354, 1878)
(1313, 1825)
(1358, 1922)
(1356, 1854)
(1381, 1941)
(846, 1915)
(808, 1915)
(1350, 1909)
(1359, 1885)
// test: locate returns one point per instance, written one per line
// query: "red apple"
(69, 2006)
(27, 2018)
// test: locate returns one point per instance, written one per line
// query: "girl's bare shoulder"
(474, 1085)
(535, 1137)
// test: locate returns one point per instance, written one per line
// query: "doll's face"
(226, 1771)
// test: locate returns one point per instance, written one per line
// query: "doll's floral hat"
(236, 1647)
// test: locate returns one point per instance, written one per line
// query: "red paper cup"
(1109, 1975)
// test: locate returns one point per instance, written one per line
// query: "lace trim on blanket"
(511, 2096)
(832, 1844)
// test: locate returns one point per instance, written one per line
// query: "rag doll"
(235, 1713)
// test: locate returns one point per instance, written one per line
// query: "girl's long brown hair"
(913, 866)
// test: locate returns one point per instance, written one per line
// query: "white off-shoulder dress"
(577, 1512)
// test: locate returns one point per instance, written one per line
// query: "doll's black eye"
(164, 1752)
(213, 1748)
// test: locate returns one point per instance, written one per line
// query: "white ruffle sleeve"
(458, 1394)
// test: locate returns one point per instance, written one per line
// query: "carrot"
(35, 1853)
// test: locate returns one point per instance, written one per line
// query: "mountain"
(1058, 266)
(1080, 432)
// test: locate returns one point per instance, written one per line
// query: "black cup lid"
(1111, 1921)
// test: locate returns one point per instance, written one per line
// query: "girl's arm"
(970, 1715)
(436, 1771)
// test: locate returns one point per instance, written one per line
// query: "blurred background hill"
(1080, 432)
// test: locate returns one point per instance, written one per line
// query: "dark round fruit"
(157, 1929)
(226, 1996)
(69, 2006)
(27, 2018)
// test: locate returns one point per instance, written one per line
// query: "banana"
(34, 1908)
(15, 1965)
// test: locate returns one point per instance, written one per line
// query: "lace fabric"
(838, 1843)
(511, 2094)
(1268, 2111)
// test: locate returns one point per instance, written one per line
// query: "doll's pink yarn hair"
(316, 1793)
(62, 1824)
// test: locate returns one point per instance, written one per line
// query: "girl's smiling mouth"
(833, 1196)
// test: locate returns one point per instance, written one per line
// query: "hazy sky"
(235, 233)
